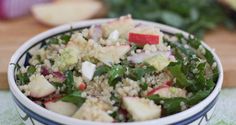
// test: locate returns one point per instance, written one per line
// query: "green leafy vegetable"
(173, 105)
(195, 16)
(23, 78)
(65, 38)
(138, 72)
(170, 105)
(69, 82)
(181, 79)
(192, 66)
(53, 41)
(101, 70)
(144, 86)
(156, 98)
(197, 97)
(116, 72)
(74, 97)
(31, 70)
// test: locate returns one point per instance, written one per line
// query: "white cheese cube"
(88, 70)
(114, 35)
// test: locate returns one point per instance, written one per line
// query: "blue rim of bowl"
(190, 119)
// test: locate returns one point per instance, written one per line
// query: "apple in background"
(230, 7)
(67, 11)
(229, 3)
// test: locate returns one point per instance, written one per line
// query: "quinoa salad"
(119, 71)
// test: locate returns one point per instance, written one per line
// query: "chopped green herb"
(144, 86)
(138, 72)
(173, 105)
(65, 38)
(53, 41)
(75, 97)
(31, 70)
(23, 78)
(197, 97)
(170, 105)
(181, 79)
(116, 72)
(101, 70)
(69, 82)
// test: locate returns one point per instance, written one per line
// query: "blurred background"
(213, 21)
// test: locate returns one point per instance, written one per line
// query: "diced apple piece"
(93, 110)
(150, 30)
(140, 57)
(141, 109)
(169, 92)
(145, 35)
(64, 108)
(142, 39)
(40, 87)
(88, 70)
(155, 90)
(112, 54)
(159, 61)
(122, 25)
(87, 113)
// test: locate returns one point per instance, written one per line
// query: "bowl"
(31, 113)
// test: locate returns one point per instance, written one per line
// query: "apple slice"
(64, 108)
(155, 90)
(142, 39)
(141, 109)
(142, 35)
(168, 92)
(159, 61)
(62, 12)
(40, 87)
(112, 54)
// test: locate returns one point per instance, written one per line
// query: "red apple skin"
(165, 85)
(142, 39)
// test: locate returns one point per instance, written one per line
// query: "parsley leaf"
(75, 98)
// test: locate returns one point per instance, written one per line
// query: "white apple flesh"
(40, 87)
(64, 108)
(141, 109)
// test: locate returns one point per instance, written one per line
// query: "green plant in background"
(194, 16)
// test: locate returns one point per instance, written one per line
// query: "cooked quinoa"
(118, 72)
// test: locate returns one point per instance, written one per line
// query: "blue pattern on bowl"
(202, 115)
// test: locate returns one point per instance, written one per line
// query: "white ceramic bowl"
(33, 114)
